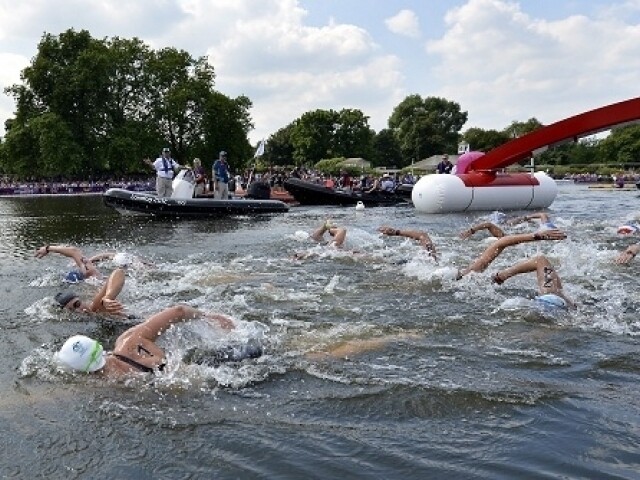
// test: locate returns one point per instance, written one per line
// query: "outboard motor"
(183, 184)
(259, 191)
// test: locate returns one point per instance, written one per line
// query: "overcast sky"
(501, 60)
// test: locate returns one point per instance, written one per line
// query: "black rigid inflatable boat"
(182, 205)
(307, 193)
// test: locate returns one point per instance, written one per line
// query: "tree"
(484, 140)
(622, 146)
(312, 136)
(111, 102)
(426, 127)
(352, 136)
(518, 129)
(386, 149)
(279, 148)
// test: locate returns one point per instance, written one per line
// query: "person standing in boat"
(445, 166)
(165, 167)
(221, 177)
(200, 178)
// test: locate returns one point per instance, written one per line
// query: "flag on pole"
(259, 150)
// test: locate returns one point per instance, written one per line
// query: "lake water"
(471, 382)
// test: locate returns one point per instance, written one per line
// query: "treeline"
(92, 107)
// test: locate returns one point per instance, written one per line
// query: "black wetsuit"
(137, 365)
(227, 354)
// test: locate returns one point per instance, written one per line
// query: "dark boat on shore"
(307, 193)
(182, 205)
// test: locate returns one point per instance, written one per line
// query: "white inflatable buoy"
(359, 206)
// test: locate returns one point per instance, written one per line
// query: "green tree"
(484, 140)
(518, 129)
(111, 102)
(312, 136)
(279, 148)
(352, 135)
(426, 127)
(386, 149)
(622, 146)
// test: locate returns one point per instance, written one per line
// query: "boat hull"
(307, 193)
(149, 204)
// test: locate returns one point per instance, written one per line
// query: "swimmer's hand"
(387, 230)
(625, 257)
(42, 251)
(221, 321)
(114, 307)
(550, 235)
(467, 233)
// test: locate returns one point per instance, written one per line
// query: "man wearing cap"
(221, 177)
(164, 166)
(445, 165)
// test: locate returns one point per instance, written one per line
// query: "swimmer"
(135, 350)
(550, 293)
(496, 248)
(86, 265)
(496, 231)
(422, 237)
(338, 234)
(103, 302)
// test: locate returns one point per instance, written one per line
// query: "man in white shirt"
(165, 167)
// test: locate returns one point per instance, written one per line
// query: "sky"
(500, 60)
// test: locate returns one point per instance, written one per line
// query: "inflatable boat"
(307, 193)
(181, 204)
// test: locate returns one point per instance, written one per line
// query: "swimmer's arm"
(102, 256)
(628, 254)
(541, 216)
(422, 237)
(72, 252)
(222, 321)
(491, 227)
(156, 324)
(105, 299)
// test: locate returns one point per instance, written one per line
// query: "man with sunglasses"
(103, 302)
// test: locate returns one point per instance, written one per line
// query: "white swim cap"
(81, 353)
(547, 226)
(122, 259)
(551, 299)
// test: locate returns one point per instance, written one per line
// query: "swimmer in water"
(422, 237)
(492, 227)
(550, 291)
(337, 237)
(496, 248)
(85, 265)
(104, 301)
(338, 234)
(135, 350)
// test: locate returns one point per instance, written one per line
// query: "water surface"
(470, 382)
